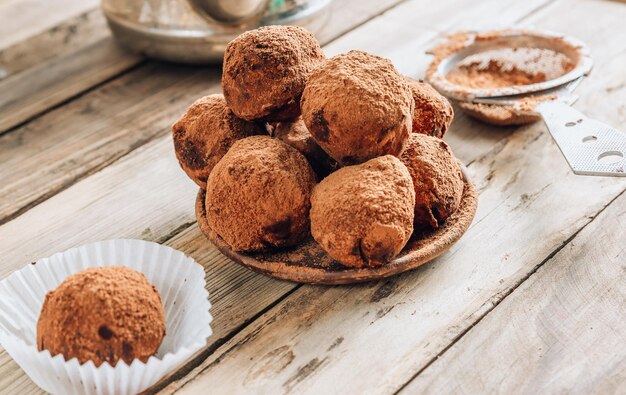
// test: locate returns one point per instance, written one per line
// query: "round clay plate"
(309, 263)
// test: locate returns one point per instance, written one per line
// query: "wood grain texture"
(561, 331)
(106, 205)
(513, 193)
(402, 324)
(87, 134)
(146, 195)
(94, 61)
(50, 52)
(124, 182)
(64, 146)
(20, 19)
(45, 85)
(57, 41)
(431, 307)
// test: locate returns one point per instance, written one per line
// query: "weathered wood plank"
(372, 338)
(145, 195)
(561, 331)
(94, 214)
(67, 58)
(84, 136)
(74, 33)
(229, 285)
(87, 134)
(38, 89)
(42, 209)
(20, 19)
(133, 216)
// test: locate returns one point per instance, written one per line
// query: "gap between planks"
(364, 12)
(96, 208)
(508, 292)
(21, 110)
(580, 295)
(20, 19)
(515, 285)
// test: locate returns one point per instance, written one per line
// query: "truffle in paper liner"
(179, 280)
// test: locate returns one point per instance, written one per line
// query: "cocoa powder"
(102, 314)
(433, 113)
(357, 107)
(437, 180)
(205, 133)
(508, 67)
(265, 70)
(362, 215)
(258, 195)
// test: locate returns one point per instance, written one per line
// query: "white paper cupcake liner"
(179, 280)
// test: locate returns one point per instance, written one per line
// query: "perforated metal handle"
(590, 147)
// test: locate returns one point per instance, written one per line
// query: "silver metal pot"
(197, 31)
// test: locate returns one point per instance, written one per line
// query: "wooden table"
(531, 300)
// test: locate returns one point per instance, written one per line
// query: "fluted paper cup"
(179, 280)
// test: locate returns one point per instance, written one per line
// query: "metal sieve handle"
(590, 147)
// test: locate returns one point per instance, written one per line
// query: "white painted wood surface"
(561, 331)
(102, 166)
(20, 19)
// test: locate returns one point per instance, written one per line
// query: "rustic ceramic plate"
(309, 263)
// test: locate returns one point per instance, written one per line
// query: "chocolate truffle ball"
(433, 113)
(205, 133)
(258, 195)
(102, 314)
(358, 107)
(437, 179)
(298, 136)
(265, 71)
(362, 215)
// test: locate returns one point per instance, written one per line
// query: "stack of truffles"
(344, 149)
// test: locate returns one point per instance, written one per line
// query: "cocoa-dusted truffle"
(363, 215)
(205, 133)
(437, 178)
(433, 113)
(265, 71)
(298, 136)
(258, 195)
(357, 107)
(102, 314)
